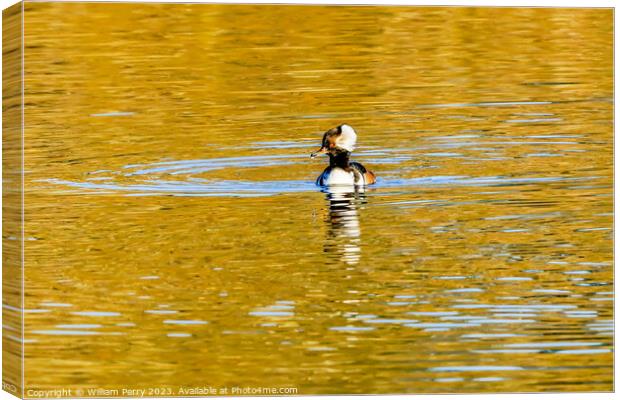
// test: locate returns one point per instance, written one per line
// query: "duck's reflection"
(343, 238)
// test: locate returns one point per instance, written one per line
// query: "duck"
(338, 143)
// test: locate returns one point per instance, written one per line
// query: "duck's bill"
(322, 150)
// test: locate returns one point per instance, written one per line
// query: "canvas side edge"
(12, 200)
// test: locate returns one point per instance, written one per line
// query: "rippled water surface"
(174, 235)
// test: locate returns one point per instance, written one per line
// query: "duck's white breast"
(338, 176)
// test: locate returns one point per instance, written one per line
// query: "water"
(175, 236)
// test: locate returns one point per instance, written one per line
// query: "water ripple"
(238, 188)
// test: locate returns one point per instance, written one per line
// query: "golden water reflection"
(174, 235)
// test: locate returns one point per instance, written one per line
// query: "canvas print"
(218, 199)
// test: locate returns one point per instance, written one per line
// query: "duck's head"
(338, 139)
